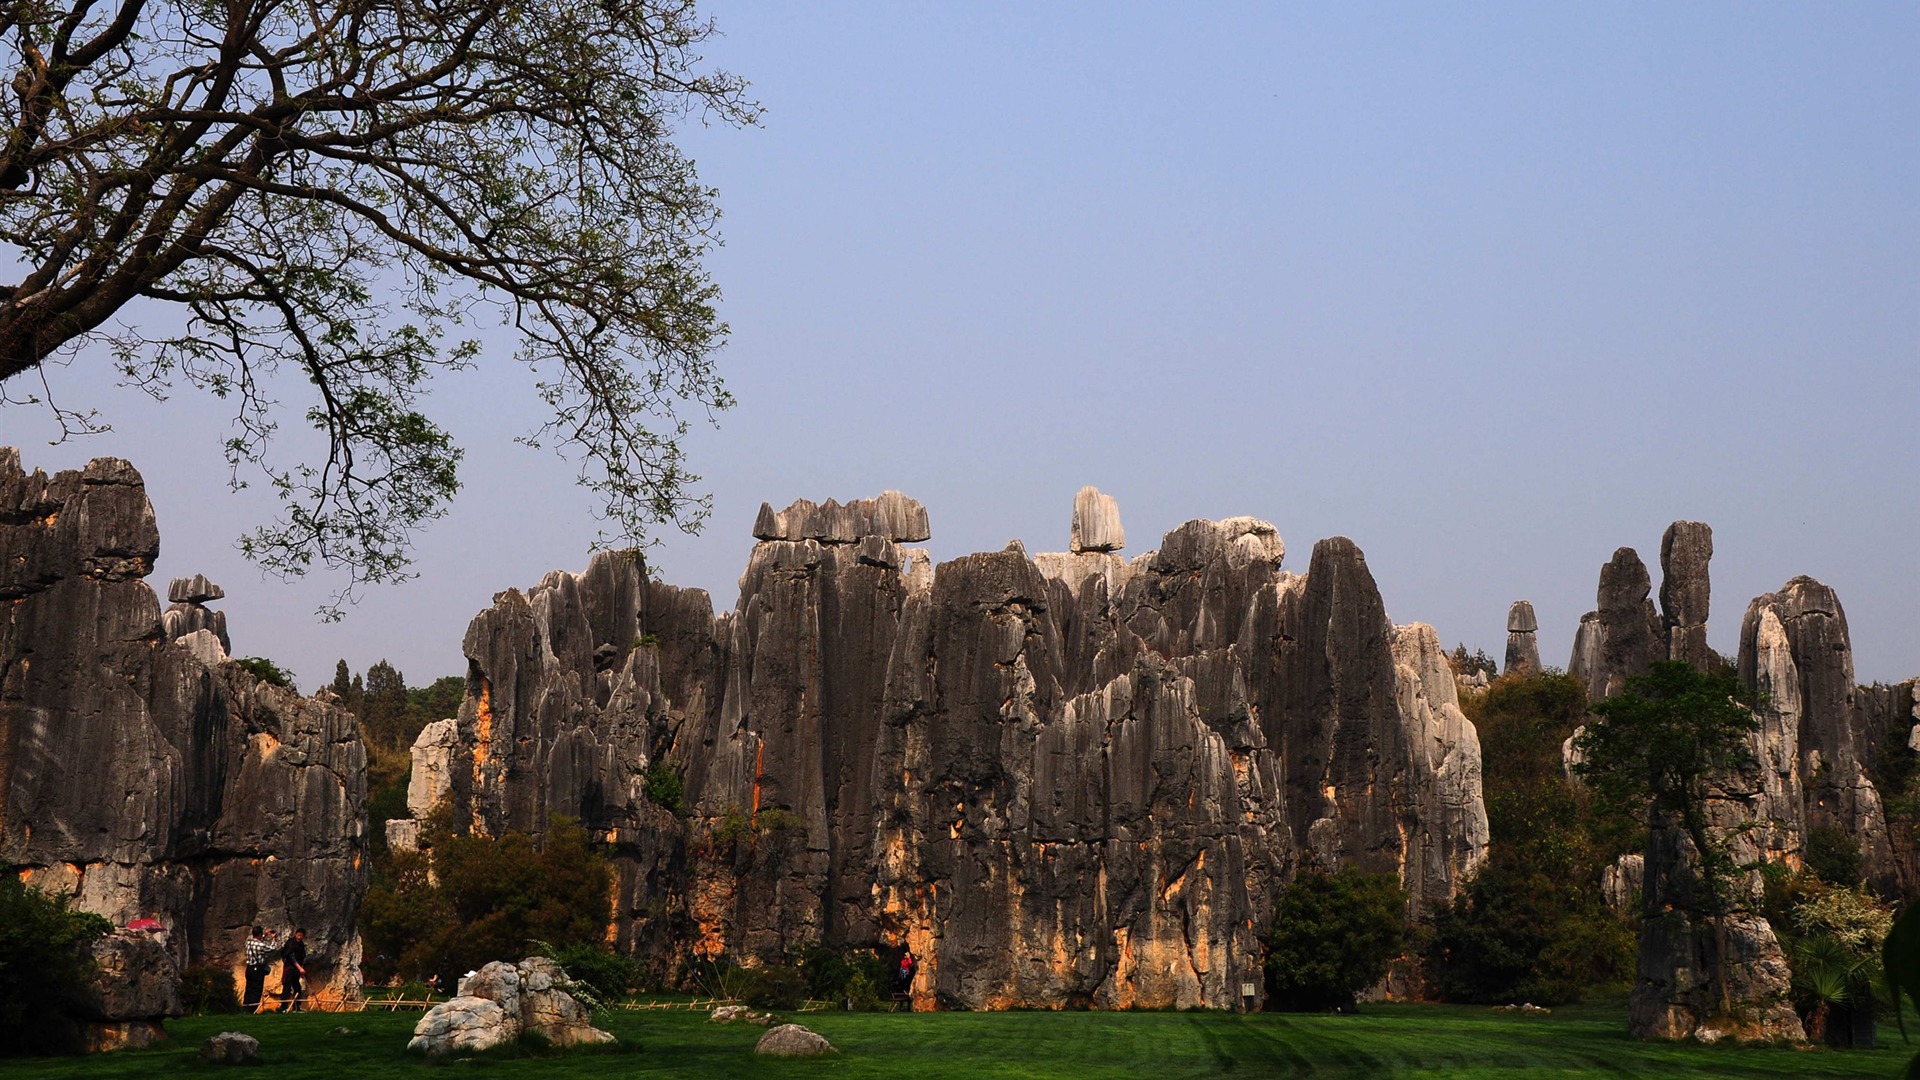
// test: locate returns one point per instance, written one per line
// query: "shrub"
(1834, 857)
(267, 671)
(44, 966)
(849, 975)
(485, 899)
(665, 787)
(1333, 935)
(1530, 925)
(205, 990)
(721, 978)
(612, 975)
(777, 986)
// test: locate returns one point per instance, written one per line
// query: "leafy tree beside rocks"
(45, 967)
(1531, 925)
(1333, 936)
(468, 900)
(1676, 743)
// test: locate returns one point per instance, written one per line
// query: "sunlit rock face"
(1794, 645)
(149, 776)
(1065, 778)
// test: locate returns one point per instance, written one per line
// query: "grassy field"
(1429, 1041)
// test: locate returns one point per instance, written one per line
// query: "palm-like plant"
(1826, 973)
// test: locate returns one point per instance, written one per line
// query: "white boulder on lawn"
(503, 1001)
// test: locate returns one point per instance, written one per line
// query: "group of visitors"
(261, 949)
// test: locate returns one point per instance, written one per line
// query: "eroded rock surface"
(1696, 971)
(501, 1002)
(152, 777)
(1686, 590)
(135, 990)
(1623, 636)
(1794, 646)
(1058, 779)
(1523, 640)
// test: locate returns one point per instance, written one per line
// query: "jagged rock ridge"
(1809, 766)
(149, 776)
(1061, 778)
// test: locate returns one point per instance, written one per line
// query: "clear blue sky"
(1492, 289)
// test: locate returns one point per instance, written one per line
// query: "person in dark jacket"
(293, 970)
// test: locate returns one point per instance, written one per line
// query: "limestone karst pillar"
(1684, 590)
(1523, 645)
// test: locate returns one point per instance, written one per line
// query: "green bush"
(44, 967)
(777, 986)
(1333, 936)
(612, 975)
(844, 975)
(267, 671)
(486, 899)
(1530, 925)
(1834, 857)
(205, 990)
(666, 788)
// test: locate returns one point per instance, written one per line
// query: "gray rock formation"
(792, 1040)
(1624, 635)
(1058, 779)
(1523, 640)
(145, 777)
(1622, 882)
(1794, 646)
(1685, 591)
(1697, 970)
(1096, 523)
(892, 516)
(188, 612)
(1891, 720)
(503, 1001)
(1452, 815)
(135, 990)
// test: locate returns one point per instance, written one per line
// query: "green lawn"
(1434, 1041)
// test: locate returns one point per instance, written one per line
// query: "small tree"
(44, 966)
(485, 899)
(1661, 744)
(1333, 936)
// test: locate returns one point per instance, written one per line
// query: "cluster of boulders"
(144, 773)
(504, 1002)
(1058, 778)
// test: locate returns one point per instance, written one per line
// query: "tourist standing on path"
(293, 970)
(259, 958)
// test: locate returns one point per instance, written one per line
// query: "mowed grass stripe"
(1428, 1041)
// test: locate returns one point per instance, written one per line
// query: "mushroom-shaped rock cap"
(1520, 618)
(1096, 523)
(892, 516)
(194, 590)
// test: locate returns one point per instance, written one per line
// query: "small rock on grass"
(792, 1040)
(231, 1048)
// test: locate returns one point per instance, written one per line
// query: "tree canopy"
(1662, 743)
(1333, 935)
(336, 192)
